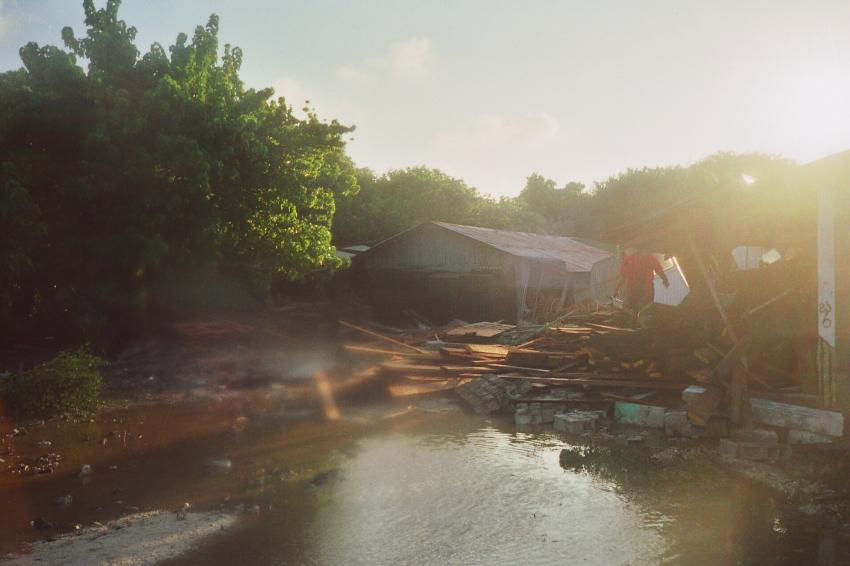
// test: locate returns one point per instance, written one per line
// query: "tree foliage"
(127, 174)
(401, 199)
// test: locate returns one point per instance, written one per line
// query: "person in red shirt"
(638, 272)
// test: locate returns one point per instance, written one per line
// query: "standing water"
(451, 488)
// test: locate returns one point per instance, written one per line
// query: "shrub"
(70, 382)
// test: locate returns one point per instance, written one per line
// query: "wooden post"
(567, 281)
(714, 296)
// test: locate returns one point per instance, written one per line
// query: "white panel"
(678, 289)
(826, 264)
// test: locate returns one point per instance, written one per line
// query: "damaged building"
(446, 271)
(769, 263)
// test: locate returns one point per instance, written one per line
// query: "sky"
(491, 91)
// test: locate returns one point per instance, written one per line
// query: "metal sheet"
(569, 252)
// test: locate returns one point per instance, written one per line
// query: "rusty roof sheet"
(568, 252)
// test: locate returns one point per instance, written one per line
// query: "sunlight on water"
(485, 498)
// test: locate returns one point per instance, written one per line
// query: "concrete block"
(575, 422)
(523, 419)
(805, 437)
(795, 417)
(639, 415)
(756, 435)
(716, 427)
(676, 423)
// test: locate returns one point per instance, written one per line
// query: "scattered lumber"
(479, 330)
(599, 348)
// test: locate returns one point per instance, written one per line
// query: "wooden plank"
(487, 349)
(516, 368)
(574, 330)
(612, 328)
(636, 384)
(381, 337)
(480, 329)
(531, 342)
(426, 377)
(561, 401)
(766, 304)
(402, 367)
(565, 367)
(409, 389)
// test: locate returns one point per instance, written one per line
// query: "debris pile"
(671, 372)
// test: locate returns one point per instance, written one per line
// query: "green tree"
(401, 199)
(638, 193)
(149, 165)
(560, 208)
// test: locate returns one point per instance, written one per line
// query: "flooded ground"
(391, 485)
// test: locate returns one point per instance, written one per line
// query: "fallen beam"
(382, 337)
(380, 351)
(407, 390)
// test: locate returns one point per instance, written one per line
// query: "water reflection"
(484, 497)
(449, 488)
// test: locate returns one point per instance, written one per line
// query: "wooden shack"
(449, 271)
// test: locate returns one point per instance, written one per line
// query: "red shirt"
(639, 270)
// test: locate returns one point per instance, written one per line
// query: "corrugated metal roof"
(568, 252)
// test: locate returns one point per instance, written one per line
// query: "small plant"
(69, 383)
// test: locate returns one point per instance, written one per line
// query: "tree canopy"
(128, 173)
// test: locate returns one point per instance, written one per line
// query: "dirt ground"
(177, 415)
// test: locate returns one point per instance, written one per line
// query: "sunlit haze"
(491, 91)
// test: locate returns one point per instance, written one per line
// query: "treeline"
(397, 200)
(151, 172)
(147, 180)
